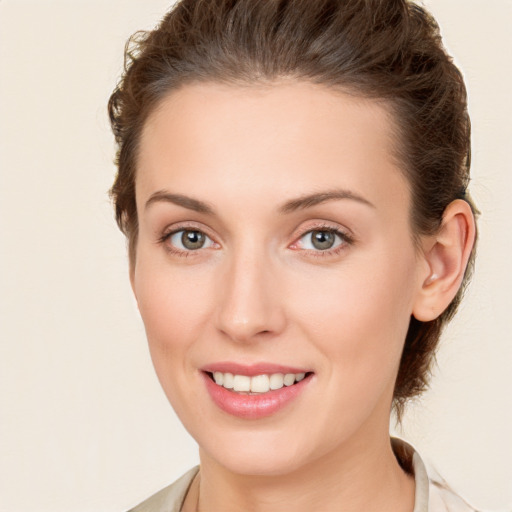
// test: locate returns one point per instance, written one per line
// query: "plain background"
(84, 425)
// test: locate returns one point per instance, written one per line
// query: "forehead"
(248, 142)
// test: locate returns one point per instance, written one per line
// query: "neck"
(359, 476)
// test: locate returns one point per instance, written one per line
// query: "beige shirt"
(432, 493)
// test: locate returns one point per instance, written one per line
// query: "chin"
(256, 453)
(260, 463)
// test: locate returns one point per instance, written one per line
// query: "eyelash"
(164, 239)
(346, 240)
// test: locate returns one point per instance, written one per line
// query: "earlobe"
(446, 254)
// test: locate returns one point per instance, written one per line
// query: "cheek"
(359, 318)
(174, 308)
(173, 304)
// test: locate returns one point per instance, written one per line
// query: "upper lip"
(251, 369)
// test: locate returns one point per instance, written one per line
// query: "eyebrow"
(300, 203)
(180, 200)
(310, 200)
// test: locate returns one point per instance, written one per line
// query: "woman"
(293, 185)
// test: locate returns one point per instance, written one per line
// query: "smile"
(256, 392)
(258, 383)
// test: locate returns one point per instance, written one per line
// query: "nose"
(250, 305)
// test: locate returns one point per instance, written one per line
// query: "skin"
(258, 290)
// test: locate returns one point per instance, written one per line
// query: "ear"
(446, 254)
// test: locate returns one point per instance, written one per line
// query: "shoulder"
(170, 498)
(433, 494)
(442, 497)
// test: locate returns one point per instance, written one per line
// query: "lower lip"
(253, 406)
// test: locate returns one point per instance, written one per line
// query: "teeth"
(276, 381)
(228, 380)
(258, 383)
(242, 383)
(289, 379)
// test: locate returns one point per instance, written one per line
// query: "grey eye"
(321, 240)
(190, 239)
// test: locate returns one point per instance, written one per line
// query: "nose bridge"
(249, 303)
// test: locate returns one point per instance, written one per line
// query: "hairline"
(389, 105)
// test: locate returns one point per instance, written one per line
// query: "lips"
(251, 369)
(254, 391)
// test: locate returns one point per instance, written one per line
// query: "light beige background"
(84, 425)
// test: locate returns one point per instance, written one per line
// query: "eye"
(322, 239)
(189, 240)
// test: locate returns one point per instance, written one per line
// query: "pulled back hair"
(388, 50)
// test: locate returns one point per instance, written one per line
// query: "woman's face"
(274, 238)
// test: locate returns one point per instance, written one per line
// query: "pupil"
(192, 239)
(323, 239)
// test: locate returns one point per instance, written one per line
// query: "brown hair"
(383, 49)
